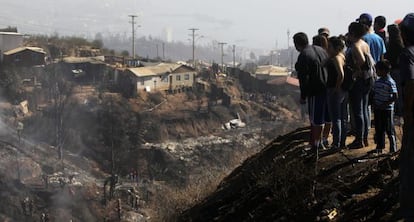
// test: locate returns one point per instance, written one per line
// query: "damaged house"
(164, 76)
(25, 57)
(84, 69)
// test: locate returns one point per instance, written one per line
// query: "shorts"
(318, 110)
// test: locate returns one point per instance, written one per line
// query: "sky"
(261, 24)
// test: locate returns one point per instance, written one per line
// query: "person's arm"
(302, 71)
(339, 66)
(358, 54)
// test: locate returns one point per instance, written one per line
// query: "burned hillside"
(285, 183)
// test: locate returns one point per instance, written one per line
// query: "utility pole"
(222, 54)
(288, 38)
(193, 30)
(133, 34)
(163, 51)
(234, 56)
(157, 52)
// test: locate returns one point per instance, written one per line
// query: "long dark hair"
(395, 45)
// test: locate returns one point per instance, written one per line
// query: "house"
(84, 69)
(9, 41)
(24, 57)
(164, 76)
(270, 72)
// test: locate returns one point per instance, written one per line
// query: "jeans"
(384, 123)
(337, 108)
(359, 99)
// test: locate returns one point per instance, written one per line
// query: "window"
(187, 77)
(178, 78)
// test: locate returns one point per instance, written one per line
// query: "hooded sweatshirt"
(407, 64)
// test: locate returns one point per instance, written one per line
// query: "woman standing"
(336, 95)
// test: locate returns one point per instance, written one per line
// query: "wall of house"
(152, 82)
(180, 80)
(25, 58)
(10, 41)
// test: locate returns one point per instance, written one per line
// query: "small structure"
(164, 76)
(84, 69)
(25, 57)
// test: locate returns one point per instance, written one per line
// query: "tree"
(60, 91)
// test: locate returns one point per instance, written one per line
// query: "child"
(385, 93)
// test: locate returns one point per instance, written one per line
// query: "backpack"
(368, 68)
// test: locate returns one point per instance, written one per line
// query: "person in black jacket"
(312, 80)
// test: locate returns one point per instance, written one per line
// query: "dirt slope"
(283, 183)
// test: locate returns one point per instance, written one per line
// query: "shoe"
(325, 142)
(376, 151)
(356, 145)
(322, 146)
(366, 142)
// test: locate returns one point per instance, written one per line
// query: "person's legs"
(317, 117)
(390, 130)
(357, 109)
(365, 117)
(380, 122)
(344, 119)
(334, 106)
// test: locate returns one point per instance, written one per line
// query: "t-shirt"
(310, 60)
(376, 45)
(384, 90)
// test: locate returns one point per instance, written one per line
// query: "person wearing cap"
(407, 149)
(379, 27)
(324, 32)
(375, 42)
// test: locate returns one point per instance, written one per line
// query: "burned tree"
(59, 92)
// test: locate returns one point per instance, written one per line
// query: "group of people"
(344, 79)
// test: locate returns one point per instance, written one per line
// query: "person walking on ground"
(312, 81)
(335, 93)
(358, 95)
(407, 149)
(385, 94)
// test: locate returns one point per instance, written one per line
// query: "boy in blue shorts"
(385, 94)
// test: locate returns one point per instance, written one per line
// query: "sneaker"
(322, 146)
(356, 145)
(375, 151)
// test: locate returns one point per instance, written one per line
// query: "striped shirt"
(384, 90)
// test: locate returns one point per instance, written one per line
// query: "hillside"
(285, 183)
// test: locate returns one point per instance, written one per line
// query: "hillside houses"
(164, 76)
(25, 57)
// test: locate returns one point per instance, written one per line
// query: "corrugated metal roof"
(272, 70)
(92, 60)
(11, 33)
(159, 69)
(20, 49)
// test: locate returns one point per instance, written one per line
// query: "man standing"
(407, 149)
(312, 80)
(375, 42)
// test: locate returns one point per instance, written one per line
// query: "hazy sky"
(255, 24)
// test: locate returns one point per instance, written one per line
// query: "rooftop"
(159, 69)
(92, 60)
(20, 49)
(272, 70)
